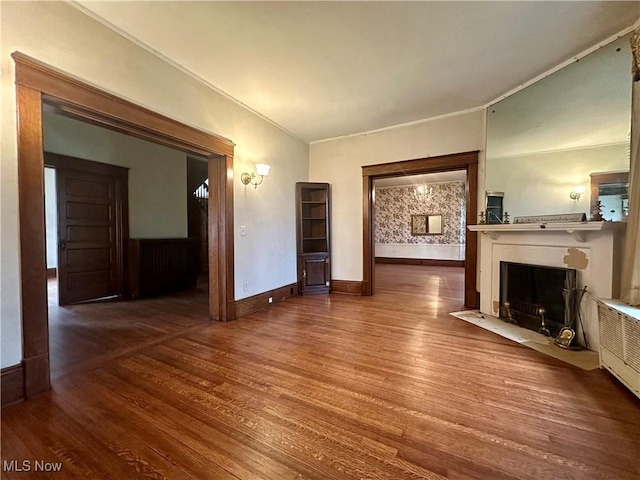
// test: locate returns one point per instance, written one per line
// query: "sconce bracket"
(246, 178)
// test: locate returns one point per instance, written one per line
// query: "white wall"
(339, 162)
(61, 36)
(540, 183)
(431, 252)
(157, 174)
(51, 217)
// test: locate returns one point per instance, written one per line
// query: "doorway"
(37, 84)
(419, 230)
(468, 162)
(91, 205)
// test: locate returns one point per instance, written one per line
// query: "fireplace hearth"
(536, 297)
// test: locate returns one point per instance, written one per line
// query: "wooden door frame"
(120, 176)
(467, 161)
(37, 83)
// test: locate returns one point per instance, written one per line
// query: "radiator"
(620, 342)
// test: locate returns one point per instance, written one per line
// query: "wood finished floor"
(333, 387)
(87, 335)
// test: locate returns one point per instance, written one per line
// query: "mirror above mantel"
(548, 139)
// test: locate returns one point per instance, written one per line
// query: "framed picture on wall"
(418, 224)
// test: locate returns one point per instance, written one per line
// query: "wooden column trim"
(368, 251)
(37, 83)
(33, 261)
(227, 251)
(221, 269)
(472, 295)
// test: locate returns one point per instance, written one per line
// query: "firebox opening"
(533, 291)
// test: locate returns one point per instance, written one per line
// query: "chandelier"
(423, 192)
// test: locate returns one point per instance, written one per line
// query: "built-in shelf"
(577, 229)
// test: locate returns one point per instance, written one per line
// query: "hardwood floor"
(86, 335)
(334, 387)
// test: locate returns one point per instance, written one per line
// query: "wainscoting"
(162, 265)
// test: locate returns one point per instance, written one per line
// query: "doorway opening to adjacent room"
(419, 233)
(117, 218)
(38, 84)
(466, 162)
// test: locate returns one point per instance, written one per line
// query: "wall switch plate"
(243, 230)
(245, 286)
(270, 299)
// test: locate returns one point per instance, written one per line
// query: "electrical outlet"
(245, 286)
(243, 230)
(270, 299)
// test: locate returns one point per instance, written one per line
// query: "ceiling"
(328, 69)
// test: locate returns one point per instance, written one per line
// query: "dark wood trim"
(442, 163)
(368, 235)
(471, 295)
(421, 261)
(52, 272)
(458, 161)
(82, 100)
(250, 305)
(12, 384)
(348, 287)
(33, 262)
(37, 83)
(222, 304)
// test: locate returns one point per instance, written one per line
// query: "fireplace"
(529, 292)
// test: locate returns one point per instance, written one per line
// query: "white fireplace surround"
(595, 253)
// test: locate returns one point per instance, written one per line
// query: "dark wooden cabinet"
(314, 243)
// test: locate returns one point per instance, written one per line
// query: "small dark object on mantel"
(505, 218)
(483, 220)
(597, 216)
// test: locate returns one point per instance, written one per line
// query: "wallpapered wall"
(395, 205)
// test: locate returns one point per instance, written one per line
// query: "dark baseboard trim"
(250, 305)
(349, 287)
(52, 272)
(12, 385)
(421, 261)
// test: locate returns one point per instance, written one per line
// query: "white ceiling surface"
(329, 69)
(455, 176)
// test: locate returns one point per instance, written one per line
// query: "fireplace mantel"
(577, 229)
(595, 253)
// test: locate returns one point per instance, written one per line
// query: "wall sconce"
(262, 170)
(577, 193)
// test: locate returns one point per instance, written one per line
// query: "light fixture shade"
(262, 169)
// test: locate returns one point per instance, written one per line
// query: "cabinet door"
(315, 274)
